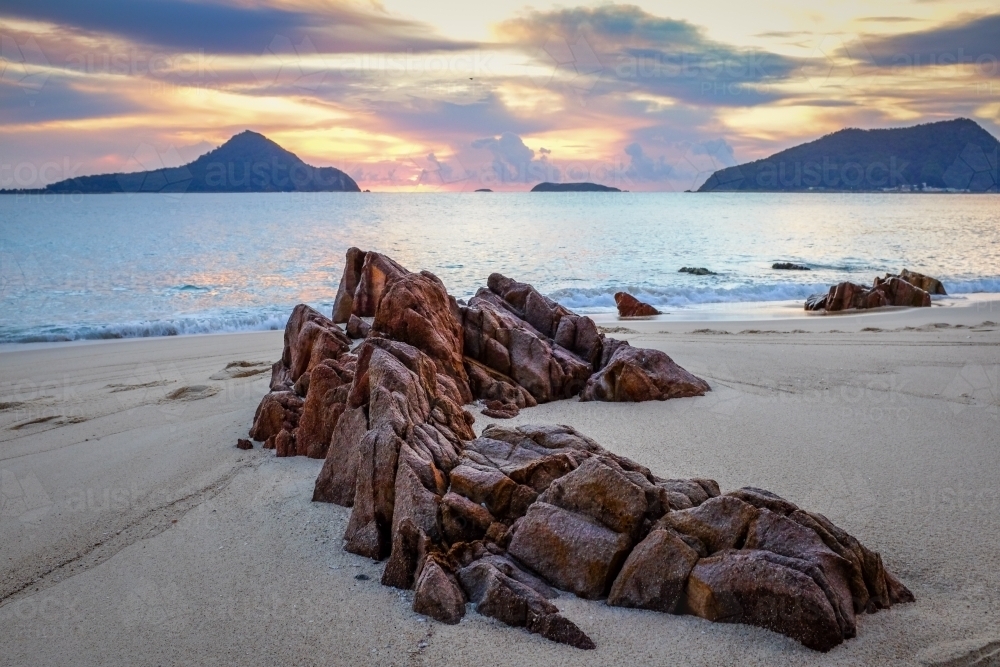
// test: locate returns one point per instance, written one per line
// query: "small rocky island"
(573, 187)
(507, 520)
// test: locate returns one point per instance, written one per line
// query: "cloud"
(229, 28)
(514, 162)
(968, 39)
(642, 167)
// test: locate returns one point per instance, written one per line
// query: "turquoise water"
(104, 266)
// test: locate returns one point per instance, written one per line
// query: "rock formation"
(504, 519)
(906, 289)
(789, 266)
(696, 271)
(629, 306)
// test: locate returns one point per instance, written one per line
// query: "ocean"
(113, 266)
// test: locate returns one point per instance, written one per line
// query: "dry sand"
(133, 532)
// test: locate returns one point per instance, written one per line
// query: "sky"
(452, 95)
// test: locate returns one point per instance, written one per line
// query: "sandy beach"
(134, 532)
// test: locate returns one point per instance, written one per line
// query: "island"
(947, 156)
(573, 187)
(248, 162)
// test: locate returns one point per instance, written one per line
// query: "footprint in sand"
(242, 369)
(965, 653)
(57, 420)
(115, 388)
(192, 393)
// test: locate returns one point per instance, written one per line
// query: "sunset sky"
(457, 95)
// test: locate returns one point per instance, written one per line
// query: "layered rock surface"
(907, 289)
(504, 519)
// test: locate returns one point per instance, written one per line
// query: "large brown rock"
(438, 594)
(718, 523)
(629, 306)
(655, 573)
(310, 338)
(635, 374)
(343, 305)
(377, 273)
(322, 408)
(926, 283)
(499, 596)
(463, 520)
(602, 493)
(763, 589)
(416, 309)
(278, 410)
(336, 480)
(888, 291)
(573, 551)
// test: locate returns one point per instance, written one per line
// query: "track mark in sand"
(12, 405)
(115, 388)
(235, 370)
(987, 655)
(193, 392)
(151, 523)
(616, 330)
(58, 420)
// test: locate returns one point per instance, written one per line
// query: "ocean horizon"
(121, 266)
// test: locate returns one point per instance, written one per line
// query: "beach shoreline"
(138, 534)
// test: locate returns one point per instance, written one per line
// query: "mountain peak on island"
(246, 162)
(946, 156)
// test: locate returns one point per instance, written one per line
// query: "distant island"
(483, 190)
(573, 187)
(948, 156)
(248, 162)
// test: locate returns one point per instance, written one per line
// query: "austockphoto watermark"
(829, 173)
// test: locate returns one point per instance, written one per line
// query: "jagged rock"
(629, 306)
(357, 327)
(325, 402)
(343, 305)
(336, 480)
(816, 302)
(492, 385)
(416, 309)
(789, 266)
(634, 374)
(500, 596)
(890, 291)
(926, 283)
(763, 589)
(438, 594)
(655, 573)
(599, 491)
(243, 443)
(718, 523)
(283, 444)
(279, 410)
(500, 410)
(463, 520)
(502, 496)
(309, 339)
(573, 551)
(377, 273)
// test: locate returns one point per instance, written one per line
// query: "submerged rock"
(789, 266)
(696, 271)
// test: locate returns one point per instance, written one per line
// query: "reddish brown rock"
(309, 339)
(889, 291)
(599, 491)
(634, 374)
(343, 305)
(416, 309)
(500, 596)
(438, 594)
(243, 443)
(283, 444)
(484, 484)
(500, 410)
(718, 523)
(320, 412)
(336, 480)
(463, 520)
(357, 327)
(491, 385)
(898, 292)
(655, 573)
(629, 306)
(279, 410)
(926, 283)
(763, 589)
(573, 551)
(377, 273)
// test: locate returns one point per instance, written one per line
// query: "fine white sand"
(133, 532)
